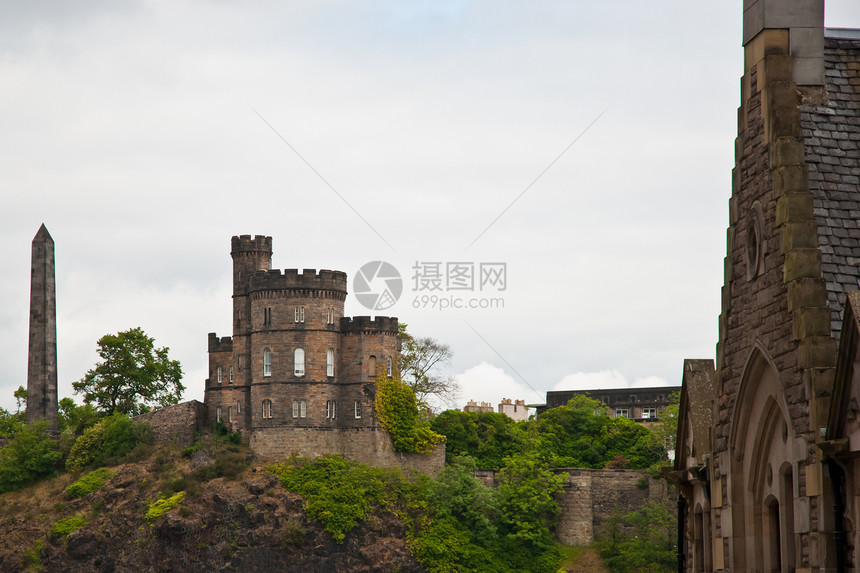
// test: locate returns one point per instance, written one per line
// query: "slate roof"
(832, 139)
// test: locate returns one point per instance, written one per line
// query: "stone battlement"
(292, 279)
(245, 244)
(368, 324)
(224, 344)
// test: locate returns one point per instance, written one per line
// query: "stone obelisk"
(42, 365)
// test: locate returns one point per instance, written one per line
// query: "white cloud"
(488, 383)
(606, 380)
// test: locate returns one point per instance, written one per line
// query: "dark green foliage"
(488, 437)
(74, 419)
(89, 483)
(453, 523)
(226, 465)
(30, 455)
(9, 422)
(397, 412)
(133, 376)
(580, 434)
(107, 442)
(640, 542)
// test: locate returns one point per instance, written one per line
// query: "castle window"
(357, 409)
(295, 408)
(303, 409)
(648, 413)
(218, 414)
(219, 374)
(231, 375)
(371, 367)
(329, 316)
(267, 362)
(622, 413)
(389, 368)
(229, 413)
(267, 317)
(267, 408)
(329, 362)
(300, 314)
(330, 409)
(299, 368)
(238, 407)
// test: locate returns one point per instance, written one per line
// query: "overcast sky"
(145, 134)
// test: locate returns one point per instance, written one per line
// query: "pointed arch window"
(295, 408)
(299, 369)
(329, 362)
(267, 362)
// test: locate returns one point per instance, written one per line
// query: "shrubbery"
(453, 523)
(640, 542)
(107, 441)
(30, 455)
(397, 412)
(162, 505)
(66, 526)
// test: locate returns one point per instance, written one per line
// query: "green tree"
(74, 419)
(488, 437)
(457, 493)
(133, 376)
(421, 359)
(642, 541)
(20, 398)
(30, 455)
(527, 502)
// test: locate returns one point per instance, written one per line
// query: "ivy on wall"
(398, 413)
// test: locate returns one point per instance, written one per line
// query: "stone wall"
(178, 423)
(369, 446)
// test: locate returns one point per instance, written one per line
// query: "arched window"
(295, 408)
(389, 368)
(231, 375)
(267, 408)
(219, 375)
(303, 409)
(371, 367)
(299, 369)
(329, 362)
(267, 362)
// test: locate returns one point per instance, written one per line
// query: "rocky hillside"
(244, 521)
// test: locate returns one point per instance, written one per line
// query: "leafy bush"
(66, 526)
(89, 483)
(30, 455)
(397, 412)
(162, 505)
(107, 442)
(640, 542)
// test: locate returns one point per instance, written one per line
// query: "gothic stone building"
(768, 451)
(297, 376)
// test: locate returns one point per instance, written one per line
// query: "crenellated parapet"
(223, 344)
(366, 324)
(305, 283)
(245, 244)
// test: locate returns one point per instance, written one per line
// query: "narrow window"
(329, 316)
(297, 314)
(330, 409)
(329, 362)
(238, 407)
(218, 414)
(295, 408)
(229, 413)
(358, 409)
(389, 368)
(299, 369)
(231, 375)
(371, 367)
(219, 374)
(267, 362)
(303, 409)
(300, 314)
(267, 408)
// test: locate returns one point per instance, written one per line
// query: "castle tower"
(42, 364)
(249, 256)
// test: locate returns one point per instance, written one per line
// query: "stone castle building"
(768, 447)
(297, 376)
